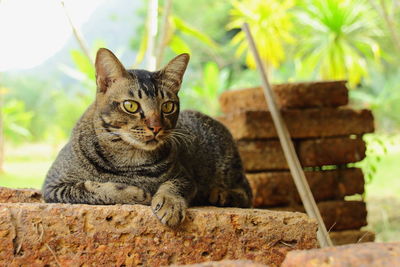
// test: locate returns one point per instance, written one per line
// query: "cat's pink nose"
(155, 129)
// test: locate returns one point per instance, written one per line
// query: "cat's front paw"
(169, 209)
(219, 197)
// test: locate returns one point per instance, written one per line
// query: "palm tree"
(271, 24)
(337, 38)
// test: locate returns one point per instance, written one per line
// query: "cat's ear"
(108, 69)
(172, 73)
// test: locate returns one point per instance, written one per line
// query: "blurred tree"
(2, 92)
(381, 94)
(172, 36)
(337, 38)
(271, 25)
(203, 94)
(388, 10)
(16, 121)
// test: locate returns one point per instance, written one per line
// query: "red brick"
(306, 123)
(338, 215)
(260, 155)
(278, 189)
(289, 95)
(365, 255)
(351, 237)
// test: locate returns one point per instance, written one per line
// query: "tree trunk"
(1, 135)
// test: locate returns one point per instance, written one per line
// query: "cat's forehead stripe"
(148, 87)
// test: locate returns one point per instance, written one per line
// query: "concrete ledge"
(36, 234)
(288, 95)
(366, 255)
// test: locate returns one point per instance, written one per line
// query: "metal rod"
(288, 148)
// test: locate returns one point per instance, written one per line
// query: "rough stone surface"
(10, 195)
(351, 237)
(365, 255)
(259, 155)
(338, 215)
(36, 234)
(301, 123)
(277, 188)
(289, 95)
(226, 263)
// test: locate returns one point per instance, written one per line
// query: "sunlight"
(32, 31)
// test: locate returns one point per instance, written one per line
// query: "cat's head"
(137, 107)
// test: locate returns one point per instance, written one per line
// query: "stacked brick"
(327, 136)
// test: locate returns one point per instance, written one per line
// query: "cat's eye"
(168, 107)
(130, 106)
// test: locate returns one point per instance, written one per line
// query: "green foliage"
(179, 27)
(381, 94)
(83, 64)
(271, 25)
(203, 94)
(341, 37)
(16, 121)
(84, 71)
(376, 148)
(176, 38)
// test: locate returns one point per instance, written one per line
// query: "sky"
(31, 31)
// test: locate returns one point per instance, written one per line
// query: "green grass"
(24, 174)
(26, 166)
(383, 192)
(386, 181)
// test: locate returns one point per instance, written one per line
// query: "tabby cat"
(133, 146)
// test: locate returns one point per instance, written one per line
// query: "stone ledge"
(366, 255)
(260, 155)
(288, 95)
(10, 195)
(278, 189)
(226, 263)
(301, 123)
(39, 234)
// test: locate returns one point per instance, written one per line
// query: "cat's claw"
(169, 209)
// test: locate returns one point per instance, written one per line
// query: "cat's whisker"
(179, 139)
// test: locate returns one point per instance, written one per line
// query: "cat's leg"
(90, 192)
(171, 200)
(227, 197)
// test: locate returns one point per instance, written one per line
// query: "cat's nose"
(155, 129)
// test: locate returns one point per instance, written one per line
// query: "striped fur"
(167, 160)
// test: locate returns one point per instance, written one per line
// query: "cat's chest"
(150, 173)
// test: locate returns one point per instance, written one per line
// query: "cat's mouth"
(152, 142)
